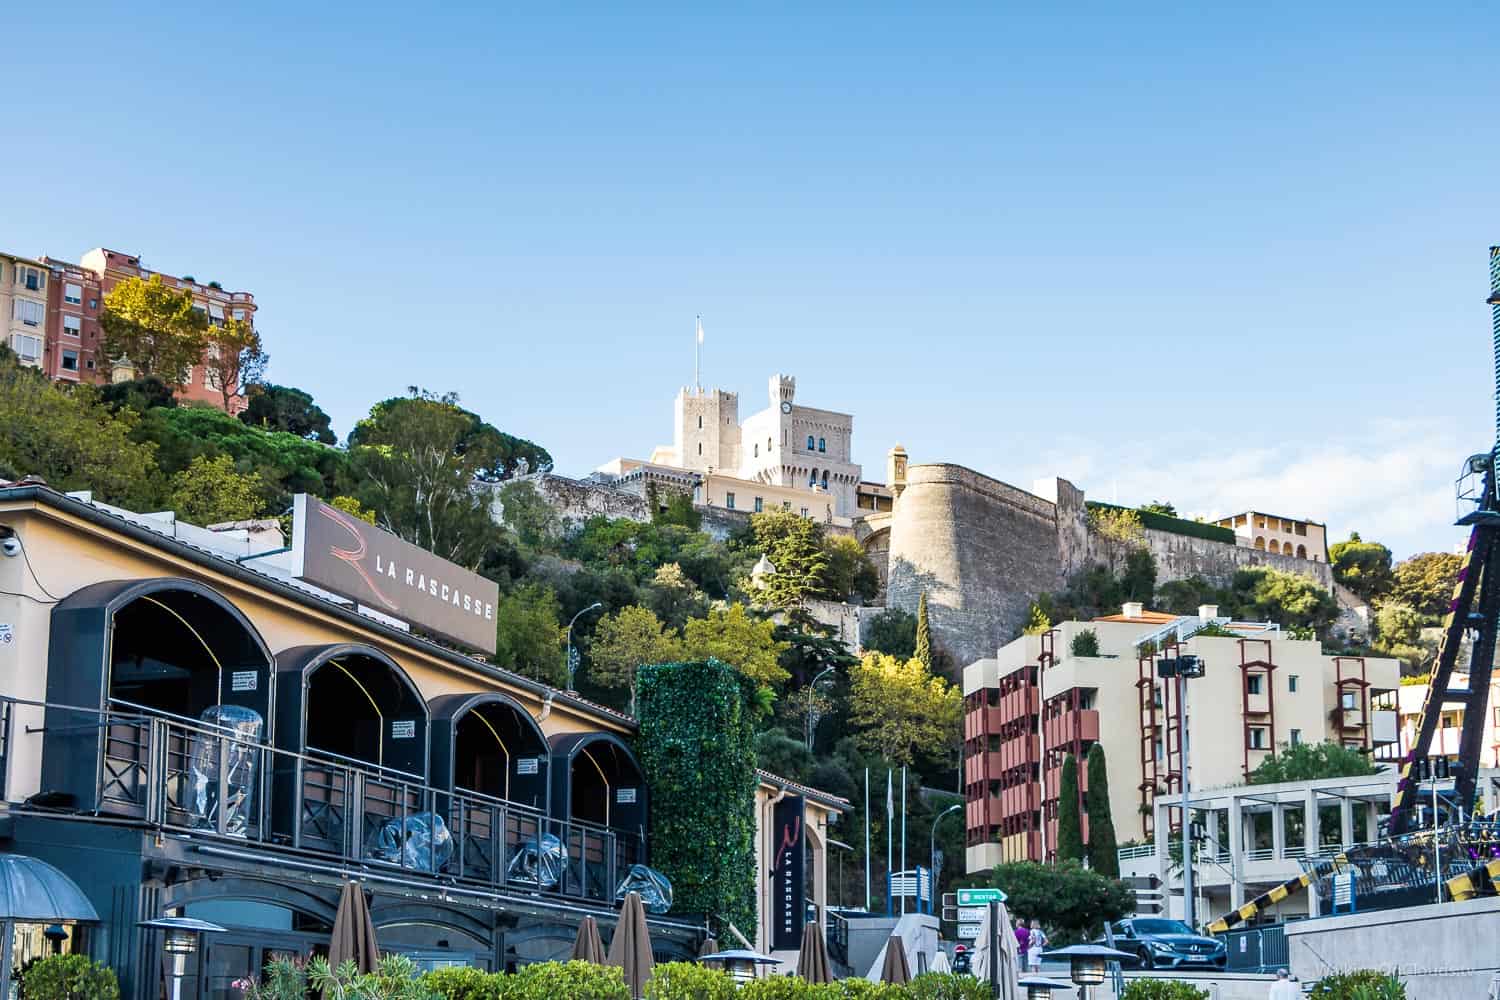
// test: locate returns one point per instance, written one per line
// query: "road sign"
(969, 932)
(970, 915)
(978, 897)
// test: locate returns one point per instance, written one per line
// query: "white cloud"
(1389, 479)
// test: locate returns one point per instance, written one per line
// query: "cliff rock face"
(983, 550)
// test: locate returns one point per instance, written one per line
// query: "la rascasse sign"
(339, 552)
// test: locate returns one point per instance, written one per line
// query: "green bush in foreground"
(1362, 984)
(1162, 989)
(69, 977)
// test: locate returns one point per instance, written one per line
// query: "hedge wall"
(697, 747)
(1175, 525)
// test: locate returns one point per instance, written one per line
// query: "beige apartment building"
(1279, 535)
(1408, 701)
(1041, 698)
(23, 307)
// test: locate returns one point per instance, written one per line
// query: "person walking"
(1023, 938)
(1284, 988)
(1036, 942)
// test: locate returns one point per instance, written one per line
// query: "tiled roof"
(820, 797)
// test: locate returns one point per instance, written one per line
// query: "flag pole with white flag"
(697, 356)
(890, 844)
(867, 839)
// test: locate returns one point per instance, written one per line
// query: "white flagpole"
(890, 830)
(903, 830)
(867, 839)
(697, 355)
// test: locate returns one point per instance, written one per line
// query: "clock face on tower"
(786, 407)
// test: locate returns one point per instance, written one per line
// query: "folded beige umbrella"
(895, 971)
(588, 946)
(710, 946)
(630, 948)
(812, 959)
(353, 932)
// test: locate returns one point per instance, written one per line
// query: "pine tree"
(1069, 825)
(1103, 850)
(924, 633)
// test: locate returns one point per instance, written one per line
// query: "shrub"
(70, 977)
(463, 982)
(1086, 643)
(1361, 984)
(941, 986)
(1162, 989)
(686, 981)
(777, 988)
(575, 980)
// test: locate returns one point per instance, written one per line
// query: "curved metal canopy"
(32, 890)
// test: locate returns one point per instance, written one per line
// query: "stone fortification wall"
(1181, 556)
(577, 500)
(981, 550)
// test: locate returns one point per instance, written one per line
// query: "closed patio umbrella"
(895, 970)
(588, 946)
(710, 946)
(353, 932)
(940, 963)
(812, 959)
(630, 948)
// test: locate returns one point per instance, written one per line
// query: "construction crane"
(1473, 611)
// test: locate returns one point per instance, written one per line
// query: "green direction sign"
(979, 897)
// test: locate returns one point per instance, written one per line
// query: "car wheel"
(1145, 957)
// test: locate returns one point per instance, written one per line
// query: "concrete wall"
(981, 550)
(1442, 951)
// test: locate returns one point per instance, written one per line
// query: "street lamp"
(1040, 988)
(1088, 963)
(181, 937)
(932, 846)
(1180, 669)
(572, 656)
(811, 690)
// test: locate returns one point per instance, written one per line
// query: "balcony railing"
(201, 780)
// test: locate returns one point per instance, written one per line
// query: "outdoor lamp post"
(55, 934)
(812, 722)
(932, 846)
(180, 938)
(572, 656)
(741, 963)
(1088, 963)
(1040, 988)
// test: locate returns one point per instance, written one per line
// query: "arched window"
(1302, 552)
(812, 480)
(809, 442)
(1274, 547)
(700, 447)
(700, 422)
(1260, 542)
(822, 445)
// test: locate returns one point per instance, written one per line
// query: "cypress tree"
(924, 633)
(1103, 856)
(1069, 826)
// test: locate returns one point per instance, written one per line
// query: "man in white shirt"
(1284, 988)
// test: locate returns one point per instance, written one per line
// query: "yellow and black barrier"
(1288, 888)
(1481, 881)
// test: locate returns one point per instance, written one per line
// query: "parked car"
(1158, 943)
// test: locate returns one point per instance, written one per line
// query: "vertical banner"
(789, 881)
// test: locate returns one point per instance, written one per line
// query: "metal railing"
(200, 779)
(1136, 851)
(1257, 949)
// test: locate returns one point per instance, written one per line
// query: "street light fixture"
(181, 937)
(812, 725)
(932, 846)
(572, 656)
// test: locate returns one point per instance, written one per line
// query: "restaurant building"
(213, 724)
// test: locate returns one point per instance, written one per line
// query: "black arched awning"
(487, 742)
(596, 779)
(354, 702)
(154, 646)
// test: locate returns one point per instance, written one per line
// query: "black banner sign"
(789, 880)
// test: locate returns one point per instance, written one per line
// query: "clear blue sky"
(1230, 260)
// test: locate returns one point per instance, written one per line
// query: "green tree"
(924, 633)
(1425, 582)
(234, 358)
(349, 505)
(783, 755)
(1397, 624)
(1104, 855)
(528, 639)
(893, 631)
(625, 641)
(901, 708)
(68, 437)
(1085, 643)
(416, 469)
(1139, 575)
(493, 454)
(527, 514)
(1159, 507)
(1261, 593)
(1309, 761)
(794, 544)
(674, 596)
(1119, 528)
(139, 394)
(1185, 597)
(1364, 567)
(849, 575)
(283, 408)
(154, 328)
(1069, 825)
(731, 635)
(1037, 620)
(210, 491)
(1070, 900)
(676, 508)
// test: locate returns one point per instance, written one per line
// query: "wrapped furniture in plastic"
(538, 862)
(419, 841)
(229, 749)
(654, 889)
